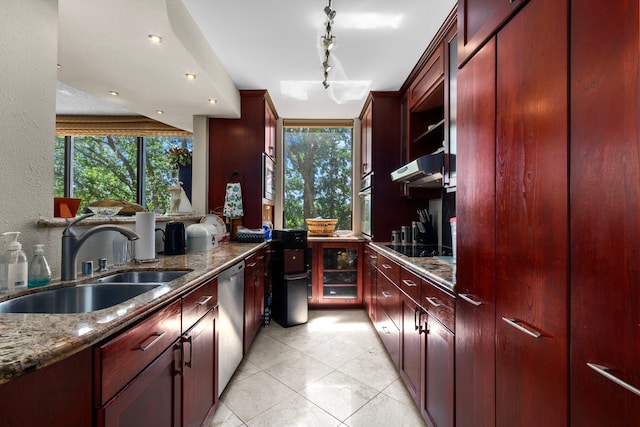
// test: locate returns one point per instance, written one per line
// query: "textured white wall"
(28, 52)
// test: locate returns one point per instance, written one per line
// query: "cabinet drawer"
(388, 295)
(410, 284)
(389, 334)
(389, 268)
(439, 304)
(122, 358)
(198, 302)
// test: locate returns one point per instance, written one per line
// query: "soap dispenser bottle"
(13, 265)
(39, 271)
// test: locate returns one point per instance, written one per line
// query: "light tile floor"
(332, 371)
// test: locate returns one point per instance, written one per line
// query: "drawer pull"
(188, 340)
(373, 257)
(514, 323)
(204, 300)
(261, 257)
(386, 294)
(386, 266)
(433, 301)
(604, 371)
(409, 283)
(253, 264)
(158, 337)
(417, 317)
(386, 330)
(468, 298)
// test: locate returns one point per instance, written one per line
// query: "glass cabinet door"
(340, 273)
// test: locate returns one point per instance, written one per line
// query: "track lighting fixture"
(327, 41)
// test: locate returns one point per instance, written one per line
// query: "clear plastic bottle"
(39, 271)
(13, 265)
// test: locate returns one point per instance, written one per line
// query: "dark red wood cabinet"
(438, 398)
(370, 258)
(475, 208)
(478, 20)
(235, 153)
(410, 346)
(605, 212)
(253, 296)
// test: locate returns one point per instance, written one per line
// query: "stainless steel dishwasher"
(231, 306)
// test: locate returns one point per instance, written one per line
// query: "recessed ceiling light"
(213, 101)
(190, 76)
(155, 38)
(113, 93)
(159, 112)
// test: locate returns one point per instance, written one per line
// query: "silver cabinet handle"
(189, 340)
(373, 257)
(433, 301)
(386, 294)
(468, 298)
(253, 264)
(513, 322)
(409, 283)
(386, 266)
(158, 337)
(604, 371)
(204, 300)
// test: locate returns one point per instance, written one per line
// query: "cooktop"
(420, 250)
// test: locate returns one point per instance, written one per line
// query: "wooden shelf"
(436, 133)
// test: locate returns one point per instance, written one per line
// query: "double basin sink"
(83, 298)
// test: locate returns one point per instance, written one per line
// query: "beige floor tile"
(383, 411)
(294, 412)
(399, 392)
(339, 394)
(225, 418)
(335, 353)
(267, 351)
(298, 372)
(245, 369)
(372, 369)
(253, 395)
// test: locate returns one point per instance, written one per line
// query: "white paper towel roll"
(145, 246)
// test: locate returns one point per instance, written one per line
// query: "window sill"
(62, 222)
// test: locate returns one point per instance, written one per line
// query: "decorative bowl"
(105, 211)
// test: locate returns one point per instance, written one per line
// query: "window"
(317, 173)
(112, 167)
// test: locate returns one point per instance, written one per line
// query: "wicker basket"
(321, 227)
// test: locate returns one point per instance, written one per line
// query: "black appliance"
(175, 242)
(289, 277)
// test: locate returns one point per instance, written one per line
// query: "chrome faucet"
(72, 242)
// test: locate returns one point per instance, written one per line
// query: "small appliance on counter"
(201, 237)
(175, 242)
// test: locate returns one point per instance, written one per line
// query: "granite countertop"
(335, 238)
(33, 341)
(440, 272)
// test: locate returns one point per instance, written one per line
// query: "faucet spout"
(72, 242)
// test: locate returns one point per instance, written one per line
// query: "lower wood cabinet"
(154, 374)
(254, 285)
(415, 320)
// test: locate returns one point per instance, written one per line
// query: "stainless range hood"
(424, 172)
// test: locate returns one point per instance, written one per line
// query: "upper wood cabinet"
(236, 145)
(478, 20)
(428, 79)
(365, 140)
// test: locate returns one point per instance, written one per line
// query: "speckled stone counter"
(32, 341)
(326, 239)
(440, 272)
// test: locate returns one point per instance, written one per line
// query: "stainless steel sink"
(76, 299)
(146, 276)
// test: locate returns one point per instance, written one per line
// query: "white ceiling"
(231, 45)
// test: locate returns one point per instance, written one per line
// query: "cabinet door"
(369, 281)
(270, 131)
(532, 217)
(340, 274)
(437, 394)
(475, 278)
(410, 344)
(199, 370)
(478, 20)
(365, 140)
(152, 399)
(605, 206)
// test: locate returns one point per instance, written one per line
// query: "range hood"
(424, 172)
